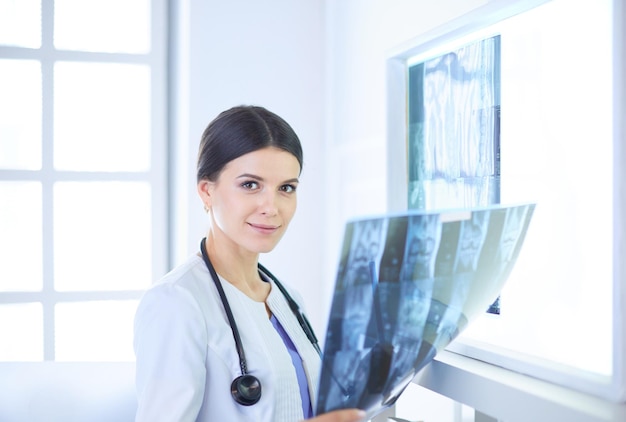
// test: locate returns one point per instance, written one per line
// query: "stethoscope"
(246, 388)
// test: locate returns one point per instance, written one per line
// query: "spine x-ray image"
(407, 285)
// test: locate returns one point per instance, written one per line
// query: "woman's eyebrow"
(259, 178)
(250, 176)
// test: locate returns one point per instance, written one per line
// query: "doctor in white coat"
(218, 338)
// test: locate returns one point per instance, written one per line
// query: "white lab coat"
(186, 355)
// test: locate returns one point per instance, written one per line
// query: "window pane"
(21, 331)
(95, 331)
(20, 114)
(20, 23)
(21, 239)
(102, 236)
(114, 26)
(101, 117)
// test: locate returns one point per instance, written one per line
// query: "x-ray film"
(406, 286)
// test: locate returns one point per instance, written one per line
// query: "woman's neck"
(238, 268)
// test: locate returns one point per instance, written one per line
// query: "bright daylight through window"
(82, 174)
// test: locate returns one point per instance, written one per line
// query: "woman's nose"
(268, 203)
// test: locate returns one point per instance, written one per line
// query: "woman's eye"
(288, 188)
(250, 185)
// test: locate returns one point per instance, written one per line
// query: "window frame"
(156, 176)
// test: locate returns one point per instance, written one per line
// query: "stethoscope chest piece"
(246, 389)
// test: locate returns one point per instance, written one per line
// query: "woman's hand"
(346, 415)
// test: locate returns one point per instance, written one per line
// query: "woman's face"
(253, 200)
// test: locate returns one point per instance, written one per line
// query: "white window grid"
(156, 176)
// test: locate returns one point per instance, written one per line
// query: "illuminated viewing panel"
(553, 138)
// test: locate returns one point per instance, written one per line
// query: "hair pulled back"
(239, 131)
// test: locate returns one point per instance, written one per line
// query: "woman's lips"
(264, 228)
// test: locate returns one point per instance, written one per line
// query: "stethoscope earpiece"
(246, 389)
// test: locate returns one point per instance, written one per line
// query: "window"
(82, 174)
(558, 131)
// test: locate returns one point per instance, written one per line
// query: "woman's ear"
(204, 191)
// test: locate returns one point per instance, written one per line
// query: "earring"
(207, 208)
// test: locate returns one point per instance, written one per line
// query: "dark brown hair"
(241, 130)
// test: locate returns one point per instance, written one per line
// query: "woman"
(217, 338)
